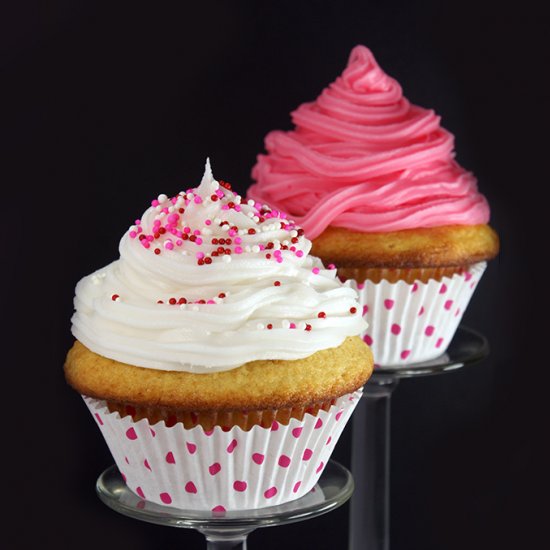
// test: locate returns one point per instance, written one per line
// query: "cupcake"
(220, 359)
(372, 180)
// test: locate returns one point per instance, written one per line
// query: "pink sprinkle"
(139, 229)
(238, 249)
(299, 253)
(173, 218)
(262, 247)
(315, 270)
(198, 241)
(174, 200)
(331, 266)
(210, 302)
(155, 202)
(137, 222)
(279, 260)
(225, 207)
(237, 208)
(132, 234)
(220, 193)
(187, 230)
(145, 243)
(179, 242)
(207, 222)
(199, 255)
(196, 232)
(238, 240)
(169, 245)
(149, 237)
(165, 210)
(292, 249)
(197, 199)
(231, 232)
(292, 325)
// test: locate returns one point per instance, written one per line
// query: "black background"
(107, 106)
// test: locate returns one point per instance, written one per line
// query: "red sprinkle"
(182, 301)
(221, 295)
(160, 302)
(207, 260)
(321, 315)
(308, 327)
(157, 251)
(277, 283)
(353, 310)
(269, 326)
(115, 297)
(172, 301)
(251, 231)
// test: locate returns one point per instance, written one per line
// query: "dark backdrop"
(107, 106)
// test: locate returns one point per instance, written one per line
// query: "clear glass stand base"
(229, 530)
(370, 453)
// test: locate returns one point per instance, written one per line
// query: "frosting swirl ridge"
(363, 157)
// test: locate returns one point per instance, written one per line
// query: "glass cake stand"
(370, 453)
(229, 530)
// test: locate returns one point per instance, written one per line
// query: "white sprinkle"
(250, 202)
(183, 306)
(243, 231)
(158, 208)
(226, 258)
(171, 208)
(301, 325)
(286, 323)
(206, 231)
(225, 227)
(255, 248)
(294, 233)
(189, 196)
(195, 308)
(250, 214)
(162, 197)
(247, 248)
(237, 199)
(256, 219)
(184, 253)
(133, 228)
(260, 326)
(217, 220)
(286, 243)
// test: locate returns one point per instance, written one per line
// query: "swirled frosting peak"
(364, 158)
(207, 282)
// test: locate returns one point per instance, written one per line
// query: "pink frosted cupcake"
(373, 181)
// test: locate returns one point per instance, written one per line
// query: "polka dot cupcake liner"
(414, 322)
(217, 470)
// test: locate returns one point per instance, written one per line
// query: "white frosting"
(118, 315)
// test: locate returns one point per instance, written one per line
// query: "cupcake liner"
(414, 322)
(394, 274)
(219, 469)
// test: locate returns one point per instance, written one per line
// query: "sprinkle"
(315, 270)
(226, 258)
(169, 245)
(197, 199)
(260, 326)
(353, 310)
(269, 326)
(292, 325)
(308, 327)
(238, 250)
(157, 251)
(238, 240)
(162, 197)
(277, 283)
(115, 298)
(331, 266)
(286, 323)
(255, 248)
(321, 315)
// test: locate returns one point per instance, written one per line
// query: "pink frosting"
(363, 157)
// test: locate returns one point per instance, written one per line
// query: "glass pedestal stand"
(370, 454)
(229, 530)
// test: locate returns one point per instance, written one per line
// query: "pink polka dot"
(318, 424)
(360, 286)
(308, 453)
(170, 458)
(296, 432)
(388, 304)
(271, 492)
(414, 287)
(472, 284)
(296, 486)
(448, 304)
(140, 492)
(166, 498)
(191, 447)
(405, 353)
(429, 330)
(339, 415)
(100, 422)
(421, 312)
(320, 467)
(457, 312)
(258, 458)
(126, 460)
(123, 476)
(395, 329)
(208, 432)
(146, 464)
(365, 310)
(274, 426)
(140, 505)
(328, 440)
(367, 339)
(439, 342)
(443, 289)
(284, 461)
(190, 488)
(467, 276)
(214, 468)
(231, 446)
(240, 486)
(219, 508)
(131, 434)
(153, 433)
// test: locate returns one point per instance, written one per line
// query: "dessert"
(219, 359)
(373, 181)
